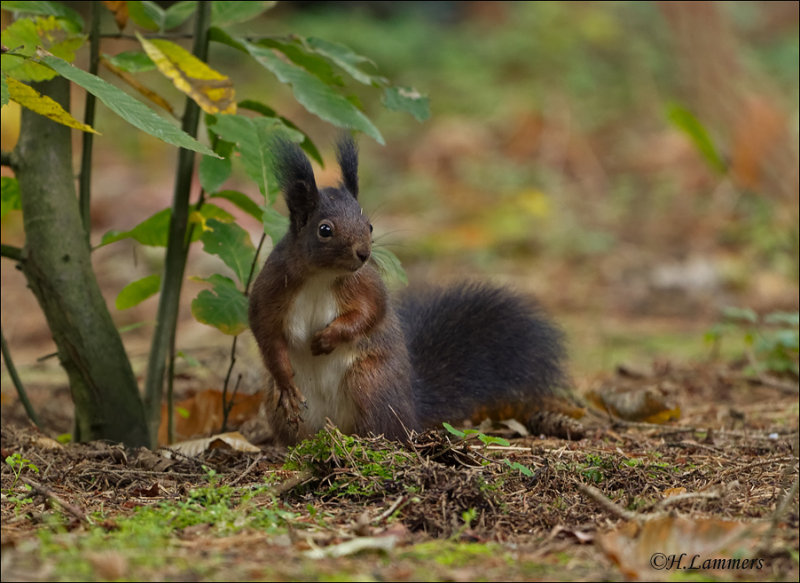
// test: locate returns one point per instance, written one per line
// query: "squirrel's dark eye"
(370, 228)
(325, 230)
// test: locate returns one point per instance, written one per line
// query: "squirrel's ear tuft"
(293, 171)
(347, 156)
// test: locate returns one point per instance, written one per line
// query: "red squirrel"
(338, 347)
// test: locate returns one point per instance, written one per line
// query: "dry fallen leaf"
(661, 547)
(47, 442)
(232, 440)
(640, 404)
(351, 547)
(202, 414)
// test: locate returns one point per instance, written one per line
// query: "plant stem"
(7, 159)
(12, 372)
(228, 405)
(162, 347)
(85, 176)
(11, 252)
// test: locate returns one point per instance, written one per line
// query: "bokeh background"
(555, 160)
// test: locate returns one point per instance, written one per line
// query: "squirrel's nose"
(363, 255)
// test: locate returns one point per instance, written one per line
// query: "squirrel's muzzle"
(362, 254)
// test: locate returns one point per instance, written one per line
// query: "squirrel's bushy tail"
(480, 351)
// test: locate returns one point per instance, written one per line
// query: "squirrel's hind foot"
(290, 400)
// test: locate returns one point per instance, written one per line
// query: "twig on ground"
(50, 495)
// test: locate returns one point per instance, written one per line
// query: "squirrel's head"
(327, 224)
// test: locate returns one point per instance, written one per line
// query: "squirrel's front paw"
(322, 342)
(290, 400)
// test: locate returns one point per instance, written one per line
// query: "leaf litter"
(719, 484)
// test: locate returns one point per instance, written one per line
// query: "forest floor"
(712, 495)
(706, 489)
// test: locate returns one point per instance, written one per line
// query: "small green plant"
(19, 464)
(593, 467)
(468, 516)
(489, 440)
(524, 470)
(771, 341)
(469, 433)
(452, 553)
(351, 466)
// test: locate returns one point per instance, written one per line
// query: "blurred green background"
(556, 161)
(633, 164)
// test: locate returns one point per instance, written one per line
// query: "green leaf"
(224, 307)
(154, 230)
(786, 339)
(242, 201)
(212, 211)
(191, 361)
(151, 16)
(46, 9)
(213, 172)
(408, 100)
(132, 62)
(232, 244)
(148, 15)
(685, 120)
(317, 97)
(740, 314)
(783, 318)
(223, 13)
(275, 224)
(9, 194)
(307, 145)
(389, 266)
(134, 112)
(218, 35)
(296, 52)
(453, 430)
(24, 36)
(493, 440)
(526, 471)
(252, 138)
(137, 291)
(345, 58)
(178, 13)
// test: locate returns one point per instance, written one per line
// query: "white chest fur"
(319, 377)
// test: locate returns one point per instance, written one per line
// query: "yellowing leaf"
(197, 218)
(28, 97)
(22, 37)
(133, 82)
(211, 90)
(9, 124)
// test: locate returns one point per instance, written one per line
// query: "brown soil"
(591, 509)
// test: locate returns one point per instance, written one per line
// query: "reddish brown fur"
(369, 386)
(269, 302)
(362, 303)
